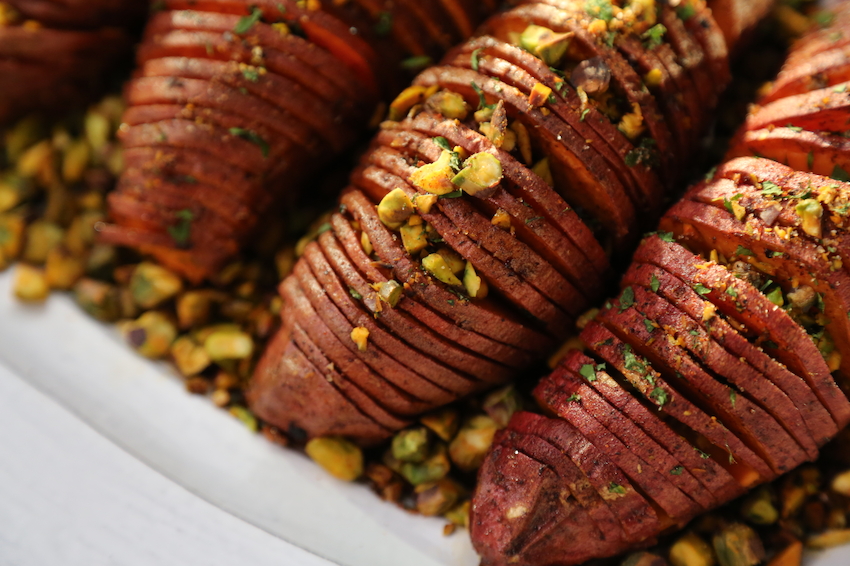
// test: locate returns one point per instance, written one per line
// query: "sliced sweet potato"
(510, 480)
(819, 424)
(745, 465)
(566, 381)
(656, 486)
(590, 184)
(335, 347)
(530, 190)
(317, 407)
(753, 310)
(823, 109)
(637, 518)
(821, 70)
(441, 380)
(378, 182)
(689, 335)
(555, 531)
(817, 152)
(595, 126)
(415, 321)
(479, 316)
(790, 262)
(756, 429)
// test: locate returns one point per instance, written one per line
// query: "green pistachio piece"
(481, 172)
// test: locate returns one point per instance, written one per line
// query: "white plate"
(144, 409)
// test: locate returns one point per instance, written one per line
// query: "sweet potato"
(753, 310)
(819, 424)
(823, 109)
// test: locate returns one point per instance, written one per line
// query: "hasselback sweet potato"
(729, 331)
(57, 55)
(500, 189)
(274, 89)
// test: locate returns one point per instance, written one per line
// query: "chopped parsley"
(732, 292)
(384, 25)
(181, 231)
(588, 372)
(654, 283)
(416, 63)
(770, 189)
(442, 142)
(630, 362)
(482, 102)
(839, 174)
(702, 289)
(644, 153)
(253, 138)
(473, 59)
(742, 251)
(660, 396)
(677, 471)
(650, 326)
(573, 397)
(627, 298)
(245, 23)
(654, 36)
(601, 9)
(685, 12)
(584, 114)
(810, 160)
(733, 397)
(251, 73)
(353, 292)
(617, 488)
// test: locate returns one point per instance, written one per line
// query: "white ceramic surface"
(142, 408)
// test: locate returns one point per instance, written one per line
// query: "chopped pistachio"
(449, 104)
(484, 114)
(152, 285)
(12, 228)
(81, 233)
(459, 514)
(98, 129)
(41, 237)
(501, 219)
(151, 334)
(338, 456)
(542, 170)
(443, 422)
(229, 345)
(366, 243)
(436, 498)
(22, 135)
(453, 259)
(481, 172)
(434, 468)
(829, 538)
(75, 161)
(501, 405)
(37, 162)
(390, 292)
(63, 269)
(413, 238)
(423, 203)
(411, 445)
(30, 284)
(436, 178)
(691, 550)
(738, 545)
(758, 508)
(437, 266)
(395, 208)
(841, 483)
(472, 442)
(101, 260)
(632, 123)
(194, 308)
(14, 189)
(539, 95)
(407, 99)
(810, 212)
(246, 417)
(98, 299)
(360, 336)
(190, 357)
(545, 43)
(475, 286)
